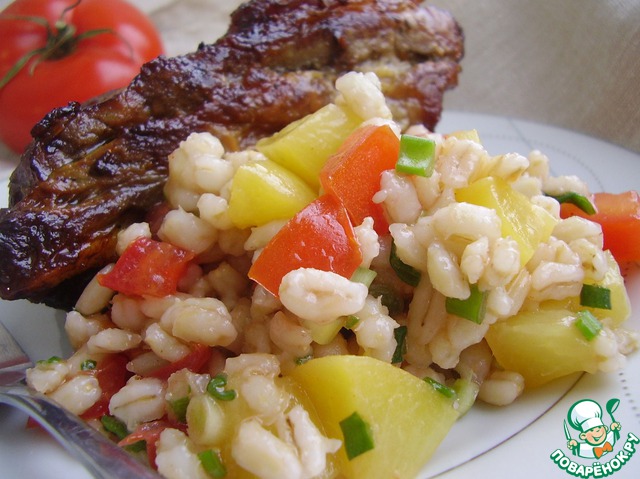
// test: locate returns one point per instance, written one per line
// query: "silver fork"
(102, 457)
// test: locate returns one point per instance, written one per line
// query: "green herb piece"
(576, 199)
(351, 321)
(473, 308)
(441, 388)
(212, 463)
(304, 359)
(179, 408)
(405, 272)
(217, 388)
(88, 365)
(51, 360)
(138, 446)
(358, 437)
(389, 297)
(595, 296)
(364, 276)
(588, 325)
(417, 156)
(115, 426)
(400, 335)
(466, 393)
(118, 428)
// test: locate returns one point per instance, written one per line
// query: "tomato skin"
(195, 362)
(619, 216)
(353, 173)
(111, 373)
(99, 64)
(150, 433)
(147, 268)
(320, 236)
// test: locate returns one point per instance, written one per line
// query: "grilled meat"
(93, 169)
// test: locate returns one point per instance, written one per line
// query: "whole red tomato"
(106, 43)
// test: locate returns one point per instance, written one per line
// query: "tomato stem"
(13, 71)
(62, 40)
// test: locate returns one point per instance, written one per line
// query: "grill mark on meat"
(93, 169)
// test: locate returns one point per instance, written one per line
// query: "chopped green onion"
(405, 272)
(389, 297)
(88, 365)
(304, 359)
(595, 296)
(115, 426)
(179, 408)
(323, 333)
(51, 360)
(588, 325)
(417, 156)
(576, 199)
(216, 388)
(218, 381)
(473, 308)
(138, 446)
(364, 276)
(212, 463)
(351, 321)
(441, 388)
(466, 394)
(400, 335)
(358, 437)
(119, 429)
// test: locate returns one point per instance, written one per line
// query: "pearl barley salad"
(329, 303)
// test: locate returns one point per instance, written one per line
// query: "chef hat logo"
(585, 415)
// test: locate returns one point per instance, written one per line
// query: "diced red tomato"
(319, 236)
(353, 172)
(32, 423)
(111, 373)
(148, 267)
(195, 362)
(150, 433)
(619, 215)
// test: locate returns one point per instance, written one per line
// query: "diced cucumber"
(467, 392)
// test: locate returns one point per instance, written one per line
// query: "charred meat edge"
(93, 169)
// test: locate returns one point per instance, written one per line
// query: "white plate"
(516, 441)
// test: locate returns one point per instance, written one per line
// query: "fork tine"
(102, 457)
(11, 354)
